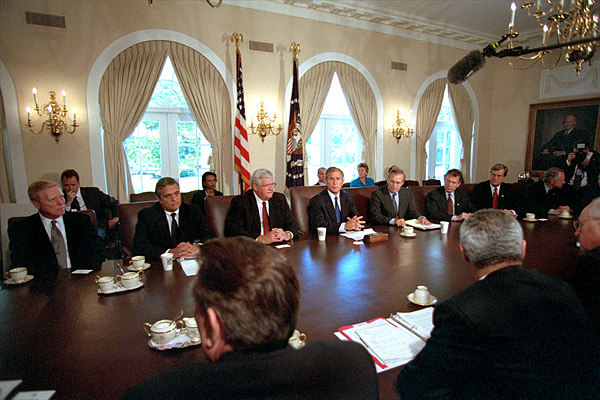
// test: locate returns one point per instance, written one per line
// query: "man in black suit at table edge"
(246, 216)
(513, 334)
(322, 209)
(247, 297)
(155, 231)
(483, 193)
(31, 238)
(437, 204)
(549, 195)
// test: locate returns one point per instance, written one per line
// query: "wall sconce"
(265, 125)
(54, 114)
(402, 128)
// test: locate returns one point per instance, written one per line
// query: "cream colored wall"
(503, 95)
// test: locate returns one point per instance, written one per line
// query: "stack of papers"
(415, 224)
(358, 235)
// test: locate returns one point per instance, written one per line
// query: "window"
(335, 140)
(445, 143)
(167, 141)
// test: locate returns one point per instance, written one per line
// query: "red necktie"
(495, 198)
(450, 205)
(265, 219)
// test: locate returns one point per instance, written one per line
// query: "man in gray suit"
(391, 204)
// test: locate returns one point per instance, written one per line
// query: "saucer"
(408, 234)
(563, 217)
(119, 289)
(132, 268)
(298, 345)
(432, 299)
(181, 341)
(11, 282)
(530, 220)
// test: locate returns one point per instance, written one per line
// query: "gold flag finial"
(295, 48)
(237, 37)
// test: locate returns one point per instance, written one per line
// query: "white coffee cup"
(421, 294)
(445, 225)
(298, 339)
(138, 262)
(163, 331)
(17, 274)
(106, 283)
(191, 329)
(565, 213)
(322, 233)
(167, 261)
(408, 230)
(129, 279)
(530, 216)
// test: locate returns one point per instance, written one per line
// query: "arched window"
(335, 140)
(167, 141)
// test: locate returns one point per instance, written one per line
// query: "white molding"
(562, 81)
(104, 60)
(15, 138)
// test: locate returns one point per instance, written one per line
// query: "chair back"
(216, 211)
(92, 215)
(381, 183)
(468, 187)
(128, 217)
(144, 196)
(299, 198)
(409, 182)
(432, 182)
(186, 197)
(419, 194)
(361, 198)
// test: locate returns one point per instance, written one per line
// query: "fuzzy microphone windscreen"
(469, 64)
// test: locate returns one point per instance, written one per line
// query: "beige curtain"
(313, 85)
(207, 97)
(463, 115)
(6, 190)
(363, 107)
(427, 114)
(125, 91)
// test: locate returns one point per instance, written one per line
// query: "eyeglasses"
(579, 223)
(270, 185)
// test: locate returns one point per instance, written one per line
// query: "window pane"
(186, 132)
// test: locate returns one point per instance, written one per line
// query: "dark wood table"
(68, 338)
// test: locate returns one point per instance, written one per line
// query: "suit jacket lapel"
(163, 224)
(329, 205)
(253, 206)
(389, 204)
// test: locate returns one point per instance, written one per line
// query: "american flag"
(241, 155)
(295, 159)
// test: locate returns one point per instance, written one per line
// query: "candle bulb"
(64, 95)
(544, 34)
(34, 91)
(513, 7)
(74, 116)
(28, 111)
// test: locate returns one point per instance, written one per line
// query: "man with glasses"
(448, 203)
(587, 275)
(391, 204)
(261, 213)
(550, 195)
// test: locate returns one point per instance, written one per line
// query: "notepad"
(415, 224)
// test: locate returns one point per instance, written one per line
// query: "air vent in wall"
(261, 46)
(399, 66)
(55, 21)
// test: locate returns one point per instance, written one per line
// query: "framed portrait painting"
(555, 128)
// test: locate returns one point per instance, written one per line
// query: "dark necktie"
(450, 205)
(58, 243)
(174, 230)
(495, 199)
(395, 198)
(265, 219)
(338, 212)
(75, 205)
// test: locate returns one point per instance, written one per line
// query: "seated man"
(334, 208)
(494, 193)
(247, 297)
(587, 275)
(261, 213)
(169, 225)
(448, 203)
(391, 204)
(91, 198)
(209, 183)
(554, 153)
(321, 176)
(513, 334)
(52, 242)
(549, 195)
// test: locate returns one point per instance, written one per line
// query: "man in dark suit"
(333, 208)
(582, 166)
(513, 334)
(321, 176)
(448, 203)
(554, 153)
(169, 225)
(91, 198)
(247, 298)
(587, 275)
(261, 213)
(549, 195)
(392, 204)
(494, 193)
(38, 241)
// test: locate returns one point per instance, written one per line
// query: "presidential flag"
(295, 160)
(241, 157)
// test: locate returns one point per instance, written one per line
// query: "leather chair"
(144, 196)
(299, 198)
(361, 199)
(409, 182)
(187, 197)
(432, 182)
(468, 187)
(128, 216)
(419, 194)
(381, 183)
(216, 211)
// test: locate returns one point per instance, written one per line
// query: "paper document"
(419, 322)
(189, 265)
(415, 224)
(358, 235)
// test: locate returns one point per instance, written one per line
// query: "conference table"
(66, 337)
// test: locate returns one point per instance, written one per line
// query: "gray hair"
(259, 174)
(36, 187)
(490, 237)
(498, 167)
(395, 170)
(552, 174)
